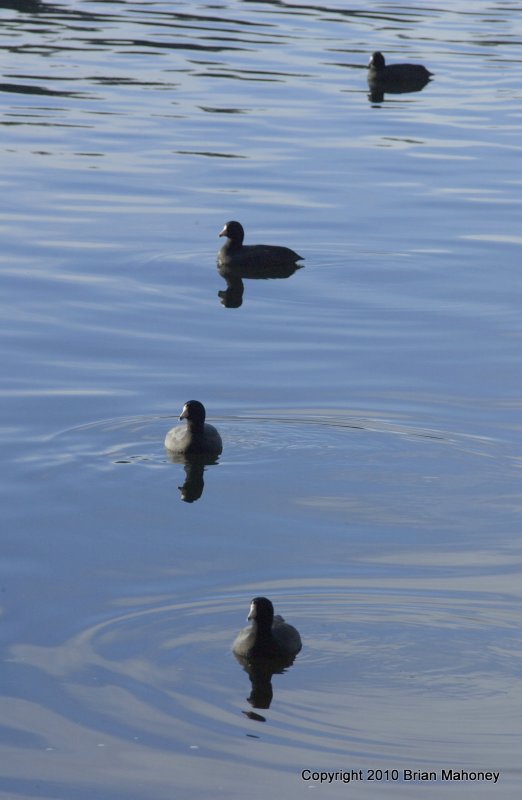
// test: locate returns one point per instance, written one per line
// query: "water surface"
(369, 403)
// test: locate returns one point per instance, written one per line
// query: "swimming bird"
(267, 636)
(397, 77)
(197, 436)
(235, 254)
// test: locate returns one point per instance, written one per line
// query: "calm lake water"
(369, 404)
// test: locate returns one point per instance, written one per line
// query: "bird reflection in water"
(237, 261)
(260, 671)
(194, 465)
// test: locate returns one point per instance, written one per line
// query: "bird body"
(197, 436)
(396, 77)
(235, 254)
(267, 636)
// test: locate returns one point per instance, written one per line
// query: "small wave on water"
(335, 465)
(321, 433)
(155, 679)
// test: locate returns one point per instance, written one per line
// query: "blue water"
(369, 404)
